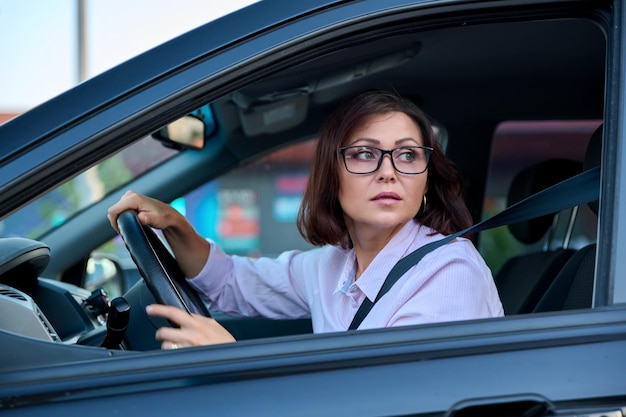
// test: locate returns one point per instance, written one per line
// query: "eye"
(363, 154)
(407, 155)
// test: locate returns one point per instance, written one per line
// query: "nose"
(386, 171)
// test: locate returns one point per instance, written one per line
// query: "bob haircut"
(321, 218)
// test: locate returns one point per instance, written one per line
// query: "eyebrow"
(377, 142)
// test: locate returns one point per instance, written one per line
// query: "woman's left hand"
(194, 330)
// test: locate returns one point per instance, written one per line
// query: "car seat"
(523, 279)
(573, 286)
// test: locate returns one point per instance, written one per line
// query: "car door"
(557, 363)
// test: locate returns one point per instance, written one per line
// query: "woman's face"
(384, 199)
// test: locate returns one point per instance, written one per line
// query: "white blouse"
(450, 283)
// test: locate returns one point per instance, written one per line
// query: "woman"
(379, 188)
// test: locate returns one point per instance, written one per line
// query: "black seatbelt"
(580, 189)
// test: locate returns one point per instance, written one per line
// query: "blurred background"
(49, 46)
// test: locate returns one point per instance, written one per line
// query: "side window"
(56, 207)
(518, 145)
(252, 210)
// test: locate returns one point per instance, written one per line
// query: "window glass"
(249, 211)
(516, 146)
(252, 210)
(54, 208)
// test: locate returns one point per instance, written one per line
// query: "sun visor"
(276, 115)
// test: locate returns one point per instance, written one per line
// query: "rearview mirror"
(185, 133)
(188, 132)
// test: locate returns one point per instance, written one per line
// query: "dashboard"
(42, 308)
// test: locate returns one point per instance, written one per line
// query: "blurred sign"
(238, 225)
(289, 189)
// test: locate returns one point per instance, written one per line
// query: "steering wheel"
(157, 266)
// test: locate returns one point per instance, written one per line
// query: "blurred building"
(6, 116)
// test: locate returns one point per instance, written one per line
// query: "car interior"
(545, 72)
(523, 279)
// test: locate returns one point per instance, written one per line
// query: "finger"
(113, 221)
(200, 331)
(169, 345)
(171, 313)
(147, 209)
(144, 218)
(168, 335)
(126, 202)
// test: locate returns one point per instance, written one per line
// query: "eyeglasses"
(367, 159)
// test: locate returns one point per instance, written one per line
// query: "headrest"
(532, 180)
(593, 157)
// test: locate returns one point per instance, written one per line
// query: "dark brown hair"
(320, 219)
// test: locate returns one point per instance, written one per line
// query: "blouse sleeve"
(245, 287)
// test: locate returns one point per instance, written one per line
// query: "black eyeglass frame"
(384, 152)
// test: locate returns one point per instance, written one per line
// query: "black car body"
(270, 73)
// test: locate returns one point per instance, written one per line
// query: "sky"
(39, 40)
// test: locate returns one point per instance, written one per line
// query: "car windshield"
(57, 206)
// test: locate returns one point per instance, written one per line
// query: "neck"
(368, 245)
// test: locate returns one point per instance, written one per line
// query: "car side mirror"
(108, 272)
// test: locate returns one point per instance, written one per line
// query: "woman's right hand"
(190, 249)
